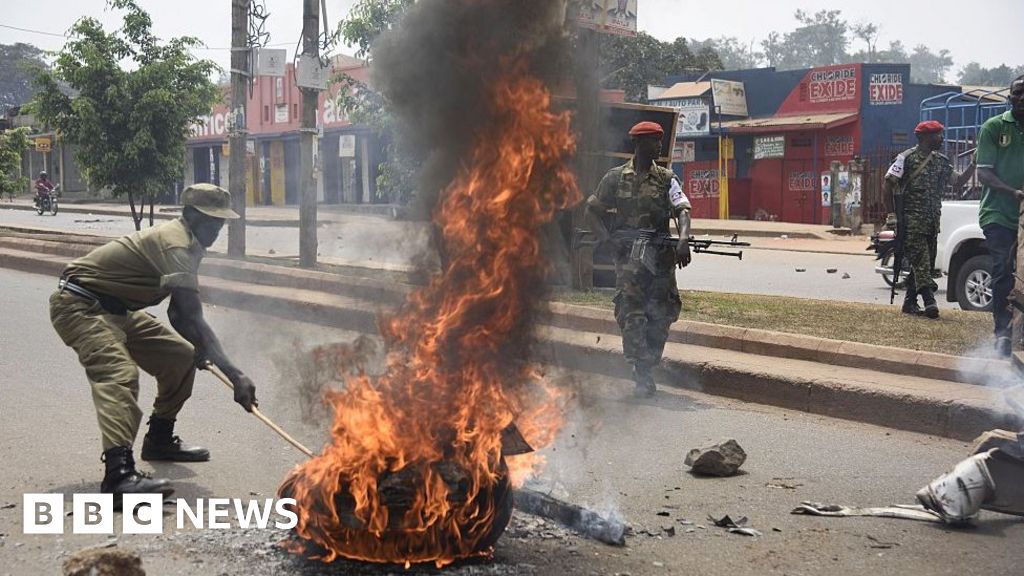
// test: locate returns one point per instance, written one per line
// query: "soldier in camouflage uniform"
(918, 177)
(640, 195)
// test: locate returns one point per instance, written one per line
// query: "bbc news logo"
(143, 513)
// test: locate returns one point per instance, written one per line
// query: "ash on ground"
(260, 552)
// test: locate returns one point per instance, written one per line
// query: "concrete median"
(905, 389)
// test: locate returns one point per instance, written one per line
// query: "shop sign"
(729, 97)
(694, 116)
(281, 114)
(347, 146)
(836, 85)
(801, 181)
(884, 89)
(769, 147)
(43, 144)
(839, 146)
(702, 184)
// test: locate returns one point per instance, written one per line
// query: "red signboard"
(826, 89)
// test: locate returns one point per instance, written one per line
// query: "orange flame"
(455, 374)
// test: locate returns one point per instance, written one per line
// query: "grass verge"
(956, 332)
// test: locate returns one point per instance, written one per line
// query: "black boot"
(122, 477)
(931, 309)
(160, 443)
(645, 387)
(910, 303)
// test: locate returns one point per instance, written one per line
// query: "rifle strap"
(917, 172)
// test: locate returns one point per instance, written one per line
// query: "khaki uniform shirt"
(142, 268)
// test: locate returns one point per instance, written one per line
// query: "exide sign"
(885, 89)
(832, 85)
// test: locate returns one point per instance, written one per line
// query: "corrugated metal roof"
(990, 93)
(790, 122)
(685, 90)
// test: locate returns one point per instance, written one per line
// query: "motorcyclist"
(43, 185)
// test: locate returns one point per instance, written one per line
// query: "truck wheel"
(974, 284)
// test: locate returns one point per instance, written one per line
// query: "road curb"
(963, 411)
(391, 290)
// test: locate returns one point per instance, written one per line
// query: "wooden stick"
(259, 415)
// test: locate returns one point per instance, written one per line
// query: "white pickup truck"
(962, 256)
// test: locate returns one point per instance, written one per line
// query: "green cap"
(210, 200)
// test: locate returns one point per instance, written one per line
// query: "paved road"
(375, 239)
(615, 455)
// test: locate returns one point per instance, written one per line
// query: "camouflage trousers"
(919, 251)
(646, 305)
(112, 348)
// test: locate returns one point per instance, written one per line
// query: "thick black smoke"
(435, 67)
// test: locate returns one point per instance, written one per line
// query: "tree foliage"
(135, 101)
(17, 64)
(974, 74)
(368, 19)
(12, 143)
(631, 63)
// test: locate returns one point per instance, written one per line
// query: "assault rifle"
(644, 244)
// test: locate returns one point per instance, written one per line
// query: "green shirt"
(1001, 148)
(141, 269)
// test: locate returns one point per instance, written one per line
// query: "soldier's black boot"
(931, 309)
(122, 477)
(645, 387)
(160, 443)
(910, 303)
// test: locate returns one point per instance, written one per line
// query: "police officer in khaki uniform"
(98, 310)
(640, 195)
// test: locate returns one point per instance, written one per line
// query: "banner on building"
(826, 189)
(612, 16)
(347, 146)
(839, 146)
(730, 97)
(769, 147)
(834, 84)
(688, 151)
(885, 89)
(694, 117)
(281, 114)
(702, 183)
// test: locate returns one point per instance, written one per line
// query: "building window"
(279, 89)
(295, 110)
(266, 114)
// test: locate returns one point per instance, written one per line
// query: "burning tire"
(471, 527)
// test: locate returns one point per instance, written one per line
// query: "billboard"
(885, 89)
(612, 16)
(694, 116)
(730, 97)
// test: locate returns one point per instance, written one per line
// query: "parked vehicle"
(961, 256)
(47, 201)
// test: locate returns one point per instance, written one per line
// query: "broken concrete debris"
(722, 459)
(738, 526)
(104, 562)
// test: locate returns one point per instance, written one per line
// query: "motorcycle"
(47, 202)
(884, 245)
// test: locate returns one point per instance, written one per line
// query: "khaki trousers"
(112, 348)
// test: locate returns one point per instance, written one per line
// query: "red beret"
(929, 127)
(647, 129)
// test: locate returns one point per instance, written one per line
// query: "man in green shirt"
(1001, 170)
(99, 311)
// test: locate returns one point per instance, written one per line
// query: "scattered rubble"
(831, 270)
(737, 526)
(722, 459)
(801, 269)
(846, 275)
(104, 562)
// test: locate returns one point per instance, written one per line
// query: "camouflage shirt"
(647, 203)
(923, 194)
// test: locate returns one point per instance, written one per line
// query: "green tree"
(134, 102)
(732, 54)
(820, 40)
(366, 21)
(974, 74)
(929, 67)
(12, 144)
(17, 64)
(631, 63)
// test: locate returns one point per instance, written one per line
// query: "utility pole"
(307, 179)
(239, 131)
